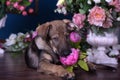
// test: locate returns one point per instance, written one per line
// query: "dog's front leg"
(49, 68)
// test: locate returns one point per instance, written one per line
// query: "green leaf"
(26, 3)
(83, 56)
(82, 11)
(69, 1)
(2, 1)
(83, 65)
(69, 68)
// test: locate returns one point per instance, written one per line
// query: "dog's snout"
(66, 52)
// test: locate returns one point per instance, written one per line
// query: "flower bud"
(75, 37)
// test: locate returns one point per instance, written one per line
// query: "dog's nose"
(66, 52)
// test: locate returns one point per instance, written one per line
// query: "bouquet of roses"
(98, 15)
(14, 6)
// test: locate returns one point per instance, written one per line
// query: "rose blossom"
(75, 37)
(31, 1)
(24, 13)
(31, 10)
(96, 16)
(116, 4)
(15, 5)
(108, 21)
(21, 8)
(78, 19)
(8, 3)
(70, 59)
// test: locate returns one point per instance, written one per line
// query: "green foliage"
(69, 68)
(2, 9)
(83, 65)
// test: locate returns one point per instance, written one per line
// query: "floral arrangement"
(77, 56)
(17, 42)
(15, 6)
(97, 16)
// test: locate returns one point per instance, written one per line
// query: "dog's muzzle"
(65, 53)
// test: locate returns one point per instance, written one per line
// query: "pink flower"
(96, 16)
(108, 21)
(15, 5)
(75, 37)
(27, 38)
(31, 10)
(21, 8)
(78, 19)
(34, 34)
(24, 13)
(31, 1)
(116, 4)
(70, 59)
(8, 3)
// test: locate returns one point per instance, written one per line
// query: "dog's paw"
(61, 72)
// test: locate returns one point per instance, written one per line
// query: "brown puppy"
(51, 43)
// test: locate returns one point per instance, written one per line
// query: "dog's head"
(54, 37)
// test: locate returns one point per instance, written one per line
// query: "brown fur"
(51, 43)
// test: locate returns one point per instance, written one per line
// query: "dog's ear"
(40, 40)
(43, 30)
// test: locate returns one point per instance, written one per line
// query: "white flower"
(20, 34)
(1, 51)
(89, 2)
(108, 1)
(118, 19)
(60, 2)
(11, 40)
(12, 36)
(97, 1)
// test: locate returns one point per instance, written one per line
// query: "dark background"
(17, 23)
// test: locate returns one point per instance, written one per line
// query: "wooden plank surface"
(14, 68)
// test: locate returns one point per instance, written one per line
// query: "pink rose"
(70, 59)
(31, 1)
(96, 16)
(108, 22)
(75, 37)
(24, 13)
(78, 19)
(15, 5)
(31, 10)
(116, 4)
(21, 8)
(8, 3)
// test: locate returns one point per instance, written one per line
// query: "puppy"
(51, 43)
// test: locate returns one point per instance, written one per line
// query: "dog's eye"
(55, 38)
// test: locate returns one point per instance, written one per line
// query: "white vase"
(109, 39)
(101, 48)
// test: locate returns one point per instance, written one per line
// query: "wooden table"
(14, 68)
